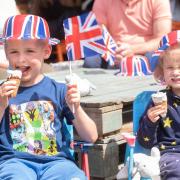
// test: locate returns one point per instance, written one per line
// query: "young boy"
(31, 127)
(164, 131)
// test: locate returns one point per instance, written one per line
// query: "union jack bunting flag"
(27, 27)
(168, 40)
(110, 46)
(83, 36)
(135, 66)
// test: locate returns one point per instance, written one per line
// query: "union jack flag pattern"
(85, 38)
(168, 40)
(109, 47)
(135, 66)
(27, 27)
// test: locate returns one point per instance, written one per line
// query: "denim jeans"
(19, 169)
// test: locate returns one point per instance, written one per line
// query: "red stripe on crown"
(34, 33)
(17, 25)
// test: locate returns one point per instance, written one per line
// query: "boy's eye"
(13, 52)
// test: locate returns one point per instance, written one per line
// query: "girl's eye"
(170, 67)
(30, 51)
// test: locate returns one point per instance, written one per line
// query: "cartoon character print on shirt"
(32, 127)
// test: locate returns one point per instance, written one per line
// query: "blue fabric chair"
(139, 106)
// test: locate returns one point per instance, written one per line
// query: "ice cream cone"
(14, 75)
(160, 98)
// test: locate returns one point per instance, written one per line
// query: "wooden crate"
(127, 112)
(104, 160)
(108, 119)
(105, 157)
(107, 154)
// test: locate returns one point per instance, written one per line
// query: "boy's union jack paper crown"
(27, 27)
(168, 40)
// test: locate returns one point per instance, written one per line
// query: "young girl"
(31, 124)
(164, 132)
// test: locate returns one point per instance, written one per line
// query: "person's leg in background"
(95, 62)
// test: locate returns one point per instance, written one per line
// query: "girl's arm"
(147, 133)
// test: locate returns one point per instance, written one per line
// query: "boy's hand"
(6, 89)
(154, 112)
(73, 96)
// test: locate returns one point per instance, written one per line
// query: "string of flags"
(135, 66)
(84, 37)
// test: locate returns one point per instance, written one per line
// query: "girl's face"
(171, 69)
(27, 56)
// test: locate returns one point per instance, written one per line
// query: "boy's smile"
(28, 56)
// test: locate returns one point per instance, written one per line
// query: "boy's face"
(27, 56)
(171, 68)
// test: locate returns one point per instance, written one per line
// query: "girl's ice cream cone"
(160, 98)
(14, 75)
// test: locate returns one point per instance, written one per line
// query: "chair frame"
(68, 142)
(139, 106)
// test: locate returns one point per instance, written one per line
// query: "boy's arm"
(147, 132)
(3, 101)
(85, 126)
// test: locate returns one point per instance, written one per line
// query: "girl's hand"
(73, 96)
(6, 89)
(154, 112)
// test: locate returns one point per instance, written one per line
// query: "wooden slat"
(175, 25)
(112, 91)
(110, 88)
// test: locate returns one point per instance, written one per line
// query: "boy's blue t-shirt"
(32, 126)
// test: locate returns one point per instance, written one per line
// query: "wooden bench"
(175, 25)
(60, 51)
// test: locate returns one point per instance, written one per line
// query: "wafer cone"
(160, 98)
(15, 75)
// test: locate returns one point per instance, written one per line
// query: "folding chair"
(69, 145)
(139, 106)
